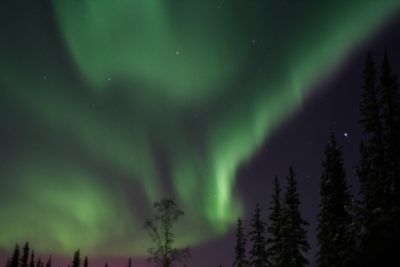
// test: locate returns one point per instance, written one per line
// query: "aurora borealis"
(108, 106)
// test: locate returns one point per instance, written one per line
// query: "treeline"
(352, 230)
(26, 258)
(283, 242)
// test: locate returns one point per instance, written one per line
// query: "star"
(346, 134)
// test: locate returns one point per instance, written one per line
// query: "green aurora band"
(108, 106)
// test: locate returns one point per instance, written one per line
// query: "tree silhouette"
(86, 262)
(130, 262)
(32, 262)
(15, 258)
(372, 169)
(48, 263)
(25, 255)
(76, 262)
(240, 248)
(294, 236)
(274, 241)
(336, 243)
(160, 229)
(391, 124)
(258, 253)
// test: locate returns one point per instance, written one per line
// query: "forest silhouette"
(361, 229)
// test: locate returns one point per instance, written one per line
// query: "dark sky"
(107, 107)
(301, 140)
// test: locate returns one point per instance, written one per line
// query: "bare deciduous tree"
(160, 229)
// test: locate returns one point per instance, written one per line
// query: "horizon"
(109, 107)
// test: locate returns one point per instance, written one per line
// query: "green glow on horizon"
(166, 99)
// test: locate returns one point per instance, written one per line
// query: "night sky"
(108, 106)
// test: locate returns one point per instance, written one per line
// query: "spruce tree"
(391, 124)
(15, 258)
(25, 255)
(130, 262)
(372, 169)
(48, 263)
(274, 241)
(334, 220)
(258, 253)
(86, 262)
(32, 261)
(377, 222)
(240, 248)
(294, 236)
(77, 259)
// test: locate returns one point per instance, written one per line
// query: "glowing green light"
(147, 99)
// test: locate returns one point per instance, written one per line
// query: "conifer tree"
(258, 253)
(335, 243)
(15, 258)
(391, 124)
(130, 262)
(294, 236)
(274, 241)
(25, 255)
(39, 263)
(240, 248)
(48, 263)
(77, 259)
(86, 262)
(378, 222)
(32, 261)
(372, 169)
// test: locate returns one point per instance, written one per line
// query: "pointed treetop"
(15, 257)
(240, 248)
(48, 263)
(32, 262)
(77, 260)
